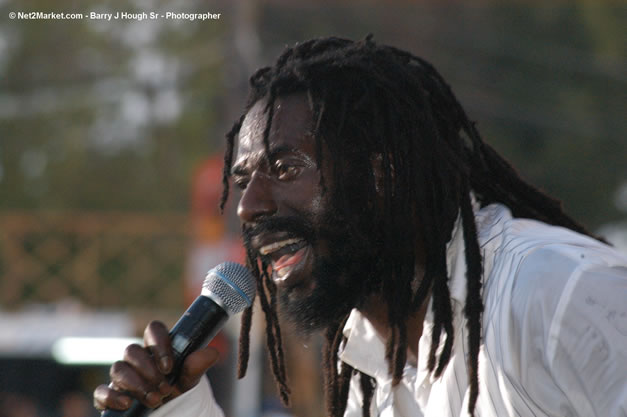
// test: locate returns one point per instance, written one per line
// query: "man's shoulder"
(554, 314)
(535, 266)
(545, 257)
(529, 243)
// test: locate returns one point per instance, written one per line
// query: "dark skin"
(286, 183)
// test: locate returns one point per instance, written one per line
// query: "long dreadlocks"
(375, 102)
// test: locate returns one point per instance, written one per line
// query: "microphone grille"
(232, 284)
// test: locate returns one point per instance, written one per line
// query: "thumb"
(195, 366)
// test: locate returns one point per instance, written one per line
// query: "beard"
(343, 276)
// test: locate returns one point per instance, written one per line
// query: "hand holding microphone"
(173, 362)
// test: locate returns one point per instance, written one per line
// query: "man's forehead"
(291, 126)
(253, 125)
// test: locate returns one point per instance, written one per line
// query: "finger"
(195, 366)
(175, 393)
(106, 397)
(144, 364)
(125, 378)
(157, 340)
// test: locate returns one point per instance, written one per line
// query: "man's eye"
(241, 184)
(286, 172)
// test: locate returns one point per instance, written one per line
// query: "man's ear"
(376, 160)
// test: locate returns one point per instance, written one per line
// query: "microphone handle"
(200, 323)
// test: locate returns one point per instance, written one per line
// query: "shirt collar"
(456, 263)
(364, 348)
(489, 222)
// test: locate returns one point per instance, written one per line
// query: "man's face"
(318, 266)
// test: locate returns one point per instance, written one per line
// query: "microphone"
(228, 289)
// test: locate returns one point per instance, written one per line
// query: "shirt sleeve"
(587, 344)
(197, 402)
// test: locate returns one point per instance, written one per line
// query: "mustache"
(296, 226)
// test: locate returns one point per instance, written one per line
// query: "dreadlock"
(372, 101)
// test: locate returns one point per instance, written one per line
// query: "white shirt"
(554, 333)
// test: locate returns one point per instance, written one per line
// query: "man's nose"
(257, 199)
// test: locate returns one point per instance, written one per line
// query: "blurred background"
(111, 135)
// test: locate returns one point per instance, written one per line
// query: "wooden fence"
(103, 260)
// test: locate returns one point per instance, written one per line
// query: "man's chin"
(310, 313)
(305, 322)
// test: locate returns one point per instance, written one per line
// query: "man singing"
(444, 284)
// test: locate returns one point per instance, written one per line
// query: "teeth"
(273, 247)
(282, 272)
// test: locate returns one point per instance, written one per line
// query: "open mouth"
(285, 256)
